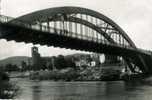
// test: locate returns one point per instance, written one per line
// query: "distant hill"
(15, 60)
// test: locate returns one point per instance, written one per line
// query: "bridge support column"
(128, 62)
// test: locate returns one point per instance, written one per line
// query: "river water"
(114, 90)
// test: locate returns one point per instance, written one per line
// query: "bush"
(66, 75)
(8, 90)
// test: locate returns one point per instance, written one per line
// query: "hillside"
(14, 60)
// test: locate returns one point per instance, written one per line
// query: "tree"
(60, 62)
(70, 63)
(24, 66)
(10, 67)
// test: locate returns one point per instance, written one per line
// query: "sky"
(133, 16)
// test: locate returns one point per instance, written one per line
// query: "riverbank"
(7, 89)
(70, 74)
(64, 75)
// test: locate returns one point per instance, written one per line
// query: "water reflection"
(36, 91)
(49, 90)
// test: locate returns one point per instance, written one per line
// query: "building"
(87, 60)
(36, 58)
(111, 59)
(39, 62)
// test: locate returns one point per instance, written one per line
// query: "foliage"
(60, 62)
(66, 75)
(10, 67)
(8, 90)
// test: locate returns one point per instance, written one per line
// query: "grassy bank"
(64, 75)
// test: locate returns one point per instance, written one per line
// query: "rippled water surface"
(115, 90)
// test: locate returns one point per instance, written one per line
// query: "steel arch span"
(92, 19)
(76, 28)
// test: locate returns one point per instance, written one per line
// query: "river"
(50, 90)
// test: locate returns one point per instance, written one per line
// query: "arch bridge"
(76, 28)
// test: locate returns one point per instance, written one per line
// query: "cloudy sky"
(134, 17)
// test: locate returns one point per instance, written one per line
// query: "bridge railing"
(43, 28)
(39, 27)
